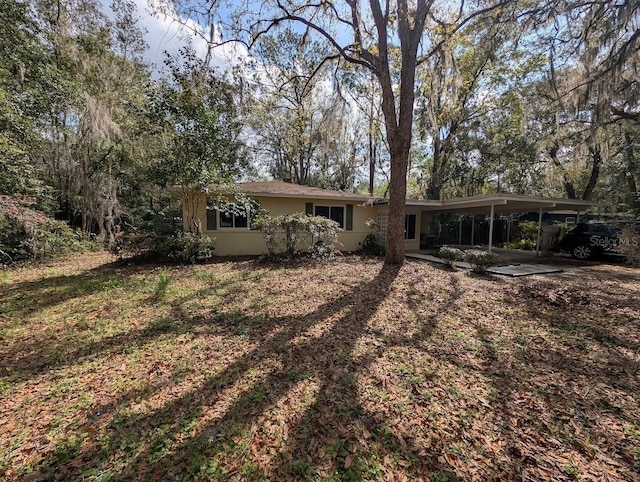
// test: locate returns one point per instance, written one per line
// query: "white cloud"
(168, 32)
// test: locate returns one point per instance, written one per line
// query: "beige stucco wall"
(242, 241)
(408, 243)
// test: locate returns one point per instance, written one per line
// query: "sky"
(166, 34)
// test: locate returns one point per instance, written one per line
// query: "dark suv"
(589, 240)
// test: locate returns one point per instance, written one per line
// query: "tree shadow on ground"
(295, 404)
(322, 353)
(569, 388)
(39, 354)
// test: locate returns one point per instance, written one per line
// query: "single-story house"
(351, 211)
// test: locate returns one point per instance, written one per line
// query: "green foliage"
(134, 245)
(162, 284)
(22, 56)
(302, 130)
(526, 236)
(629, 245)
(189, 247)
(372, 245)
(288, 234)
(572, 471)
(525, 243)
(180, 247)
(528, 230)
(194, 109)
(324, 237)
(27, 234)
(480, 260)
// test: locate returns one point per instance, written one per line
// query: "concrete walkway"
(517, 270)
(513, 270)
(435, 259)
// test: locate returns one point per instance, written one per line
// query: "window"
(335, 213)
(228, 220)
(410, 226)
(230, 215)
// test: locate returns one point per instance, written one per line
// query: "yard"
(348, 371)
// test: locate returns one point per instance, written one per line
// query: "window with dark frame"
(228, 220)
(230, 215)
(336, 213)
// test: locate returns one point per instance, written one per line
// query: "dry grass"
(345, 371)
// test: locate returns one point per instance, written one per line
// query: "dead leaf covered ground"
(343, 371)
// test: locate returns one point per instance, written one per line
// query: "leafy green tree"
(198, 131)
(21, 74)
(388, 39)
(95, 76)
(591, 98)
(301, 126)
(463, 90)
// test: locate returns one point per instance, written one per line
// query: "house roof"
(288, 189)
(502, 203)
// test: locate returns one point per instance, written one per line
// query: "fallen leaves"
(347, 370)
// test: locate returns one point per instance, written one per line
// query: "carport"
(502, 204)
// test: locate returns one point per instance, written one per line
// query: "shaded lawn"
(345, 371)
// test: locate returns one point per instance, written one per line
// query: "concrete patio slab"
(517, 270)
(513, 270)
(435, 259)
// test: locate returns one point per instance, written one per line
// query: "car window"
(602, 229)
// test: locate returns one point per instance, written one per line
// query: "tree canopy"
(428, 98)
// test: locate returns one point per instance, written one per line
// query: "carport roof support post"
(491, 216)
(473, 225)
(539, 232)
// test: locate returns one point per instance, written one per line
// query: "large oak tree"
(386, 37)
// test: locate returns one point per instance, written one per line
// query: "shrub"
(181, 247)
(372, 245)
(480, 260)
(188, 247)
(324, 237)
(288, 234)
(134, 245)
(450, 254)
(524, 243)
(27, 234)
(629, 245)
(528, 230)
(526, 236)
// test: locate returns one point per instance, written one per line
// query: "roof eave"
(337, 197)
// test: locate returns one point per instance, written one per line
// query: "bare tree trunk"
(596, 156)
(634, 195)
(569, 189)
(372, 167)
(397, 198)
(372, 145)
(398, 121)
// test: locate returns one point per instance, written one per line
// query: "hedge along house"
(351, 211)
